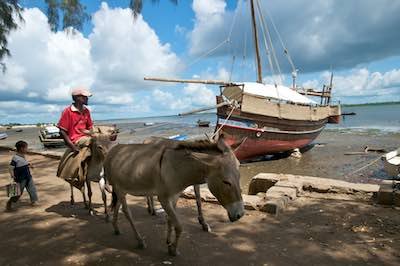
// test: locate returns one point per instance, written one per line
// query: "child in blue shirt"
(21, 174)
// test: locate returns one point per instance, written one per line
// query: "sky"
(358, 40)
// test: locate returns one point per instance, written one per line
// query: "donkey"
(150, 199)
(101, 142)
(153, 169)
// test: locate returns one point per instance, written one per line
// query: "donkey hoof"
(172, 251)
(72, 202)
(141, 244)
(117, 232)
(86, 206)
(206, 227)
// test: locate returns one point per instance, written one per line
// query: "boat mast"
(255, 34)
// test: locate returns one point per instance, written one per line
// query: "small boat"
(178, 137)
(391, 163)
(3, 135)
(147, 124)
(19, 130)
(50, 137)
(203, 123)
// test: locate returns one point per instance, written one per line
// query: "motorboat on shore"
(3, 136)
(203, 123)
(50, 137)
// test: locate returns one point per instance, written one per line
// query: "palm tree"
(73, 15)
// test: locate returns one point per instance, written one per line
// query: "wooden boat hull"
(259, 135)
(258, 142)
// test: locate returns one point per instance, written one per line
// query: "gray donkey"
(150, 199)
(157, 170)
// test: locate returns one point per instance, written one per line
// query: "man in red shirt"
(76, 123)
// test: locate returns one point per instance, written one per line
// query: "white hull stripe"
(253, 127)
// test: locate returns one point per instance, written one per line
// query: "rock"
(274, 206)
(262, 182)
(386, 195)
(277, 192)
(205, 194)
(296, 154)
(251, 202)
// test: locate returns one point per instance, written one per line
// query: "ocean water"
(380, 119)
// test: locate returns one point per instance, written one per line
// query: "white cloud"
(361, 85)
(209, 19)
(169, 101)
(125, 51)
(317, 35)
(112, 61)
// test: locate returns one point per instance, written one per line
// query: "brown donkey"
(153, 169)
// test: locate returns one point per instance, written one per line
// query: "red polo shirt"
(73, 122)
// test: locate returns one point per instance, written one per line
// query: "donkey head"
(223, 178)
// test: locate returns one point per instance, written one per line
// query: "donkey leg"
(104, 197)
(84, 196)
(169, 208)
(72, 195)
(89, 187)
(115, 216)
(127, 212)
(206, 227)
(150, 205)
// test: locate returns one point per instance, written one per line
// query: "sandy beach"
(346, 232)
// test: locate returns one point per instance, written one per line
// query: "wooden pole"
(196, 81)
(255, 34)
(204, 109)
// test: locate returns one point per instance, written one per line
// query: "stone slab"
(264, 181)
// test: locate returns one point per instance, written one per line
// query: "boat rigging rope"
(285, 50)
(365, 166)
(224, 123)
(268, 34)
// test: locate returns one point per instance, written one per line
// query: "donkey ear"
(222, 145)
(206, 159)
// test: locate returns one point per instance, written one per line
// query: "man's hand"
(75, 149)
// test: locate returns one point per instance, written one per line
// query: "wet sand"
(311, 232)
(324, 158)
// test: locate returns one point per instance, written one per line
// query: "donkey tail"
(114, 200)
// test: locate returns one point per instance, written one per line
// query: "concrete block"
(277, 192)
(262, 182)
(386, 195)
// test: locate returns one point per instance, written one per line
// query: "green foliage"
(73, 14)
(10, 14)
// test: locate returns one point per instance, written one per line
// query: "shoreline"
(326, 157)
